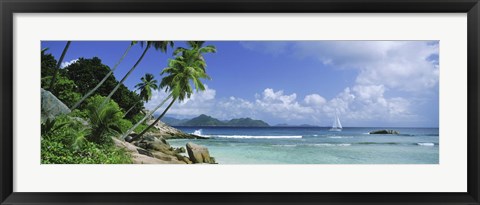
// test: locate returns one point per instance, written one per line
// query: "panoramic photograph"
(239, 102)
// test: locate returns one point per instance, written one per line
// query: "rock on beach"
(199, 154)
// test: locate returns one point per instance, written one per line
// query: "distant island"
(288, 125)
(205, 120)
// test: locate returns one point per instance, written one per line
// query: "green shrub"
(50, 126)
(140, 128)
(58, 153)
(104, 119)
(137, 118)
(124, 125)
(64, 141)
(79, 113)
(65, 89)
(67, 130)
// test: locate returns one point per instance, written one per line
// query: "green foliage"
(66, 130)
(140, 128)
(89, 72)
(134, 120)
(124, 125)
(66, 91)
(104, 119)
(161, 46)
(54, 152)
(50, 126)
(146, 86)
(79, 113)
(187, 66)
(64, 141)
(137, 117)
(126, 99)
(48, 66)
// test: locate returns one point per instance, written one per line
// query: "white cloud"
(369, 93)
(67, 63)
(315, 100)
(383, 67)
(368, 103)
(401, 65)
(234, 107)
(282, 106)
(362, 103)
(199, 103)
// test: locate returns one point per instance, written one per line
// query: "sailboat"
(337, 126)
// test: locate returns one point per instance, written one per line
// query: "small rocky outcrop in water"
(51, 106)
(392, 132)
(199, 154)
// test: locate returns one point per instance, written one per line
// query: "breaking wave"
(257, 137)
(429, 144)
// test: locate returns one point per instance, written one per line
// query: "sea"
(316, 145)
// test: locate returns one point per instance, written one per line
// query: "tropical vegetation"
(103, 108)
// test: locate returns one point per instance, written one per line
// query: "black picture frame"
(10, 7)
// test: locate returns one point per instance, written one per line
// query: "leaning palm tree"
(45, 50)
(52, 83)
(196, 50)
(104, 78)
(185, 57)
(181, 73)
(158, 45)
(148, 84)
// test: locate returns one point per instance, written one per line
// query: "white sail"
(337, 126)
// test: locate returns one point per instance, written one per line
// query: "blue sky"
(367, 83)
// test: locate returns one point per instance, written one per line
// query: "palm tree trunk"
(102, 81)
(52, 83)
(144, 118)
(156, 121)
(130, 109)
(126, 76)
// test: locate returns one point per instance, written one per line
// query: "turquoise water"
(315, 145)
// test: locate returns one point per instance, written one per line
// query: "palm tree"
(104, 78)
(181, 71)
(150, 113)
(103, 120)
(52, 83)
(145, 87)
(44, 50)
(196, 50)
(158, 45)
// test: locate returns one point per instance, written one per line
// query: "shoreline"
(418, 146)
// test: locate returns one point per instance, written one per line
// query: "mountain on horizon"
(288, 125)
(205, 120)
